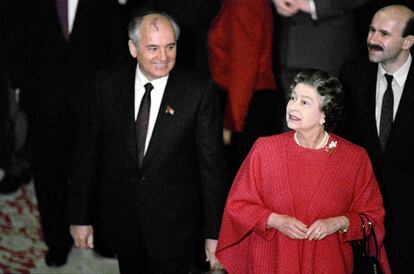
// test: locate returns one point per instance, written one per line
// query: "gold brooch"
(331, 147)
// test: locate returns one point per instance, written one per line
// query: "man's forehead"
(388, 21)
(155, 22)
(395, 15)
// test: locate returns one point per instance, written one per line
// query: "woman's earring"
(322, 122)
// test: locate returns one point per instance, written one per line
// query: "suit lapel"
(172, 100)
(369, 90)
(126, 105)
(404, 109)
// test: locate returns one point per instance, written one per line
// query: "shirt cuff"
(312, 8)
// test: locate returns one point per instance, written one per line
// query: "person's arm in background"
(235, 59)
(213, 174)
(317, 9)
(81, 187)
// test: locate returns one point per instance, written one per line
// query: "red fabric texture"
(275, 178)
(240, 55)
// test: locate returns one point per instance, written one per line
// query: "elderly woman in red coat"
(295, 203)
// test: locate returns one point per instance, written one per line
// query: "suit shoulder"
(116, 71)
(357, 66)
(187, 77)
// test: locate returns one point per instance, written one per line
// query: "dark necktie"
(62, 11)
(141, 125)
(387, 110)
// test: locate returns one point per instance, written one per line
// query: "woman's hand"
(324, 227)
(290, 226)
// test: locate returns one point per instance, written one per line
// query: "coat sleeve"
(245, 211)
(236, 43)
(213, 171)
(367, 199)
(81, 187)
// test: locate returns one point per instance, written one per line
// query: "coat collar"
(126, 99)
(368, 94)
(172, 100)
(404, 110)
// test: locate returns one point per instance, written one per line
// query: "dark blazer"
(393, 169)
(323, 43)
(180, 188)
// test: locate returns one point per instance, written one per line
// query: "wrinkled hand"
(210, 247)
(324, 227)
(82, 235)
(286, 8)
(290, 226)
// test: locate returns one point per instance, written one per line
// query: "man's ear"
(408, 42)
(132, 48)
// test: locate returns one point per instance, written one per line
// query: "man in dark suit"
(63, 46)
(315, 34)
(162, 180)
(379, 108)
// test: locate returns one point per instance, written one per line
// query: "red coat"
(240, 55)
(280, 176)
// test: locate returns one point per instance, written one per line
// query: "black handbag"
(364, 263)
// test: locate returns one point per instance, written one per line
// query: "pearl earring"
(322, 122)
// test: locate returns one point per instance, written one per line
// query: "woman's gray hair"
(134, 26)
(330, 90)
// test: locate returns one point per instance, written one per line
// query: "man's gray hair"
(134, 26)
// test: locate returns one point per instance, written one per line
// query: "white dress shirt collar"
(72, 7)
(156, 97)
(401, 74)
(398, 83)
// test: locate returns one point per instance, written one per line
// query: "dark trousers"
(52, 120)
(51, 169)
(138, 261)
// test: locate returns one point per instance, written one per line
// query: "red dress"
(280, 176)
(240, 55)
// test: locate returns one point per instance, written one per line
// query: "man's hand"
(227, 136)
(210, 247)
(286, 8)
(304, 6)
(82, 235)
(290, 226)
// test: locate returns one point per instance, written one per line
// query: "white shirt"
(72, 7)
(312, 7)
(156, 96)
(398, 82)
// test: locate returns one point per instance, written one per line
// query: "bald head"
(390, 37)
(400, 14)
(150, 21)
(153, 43)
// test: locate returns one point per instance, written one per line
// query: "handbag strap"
(374, 236)
(364, 237)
